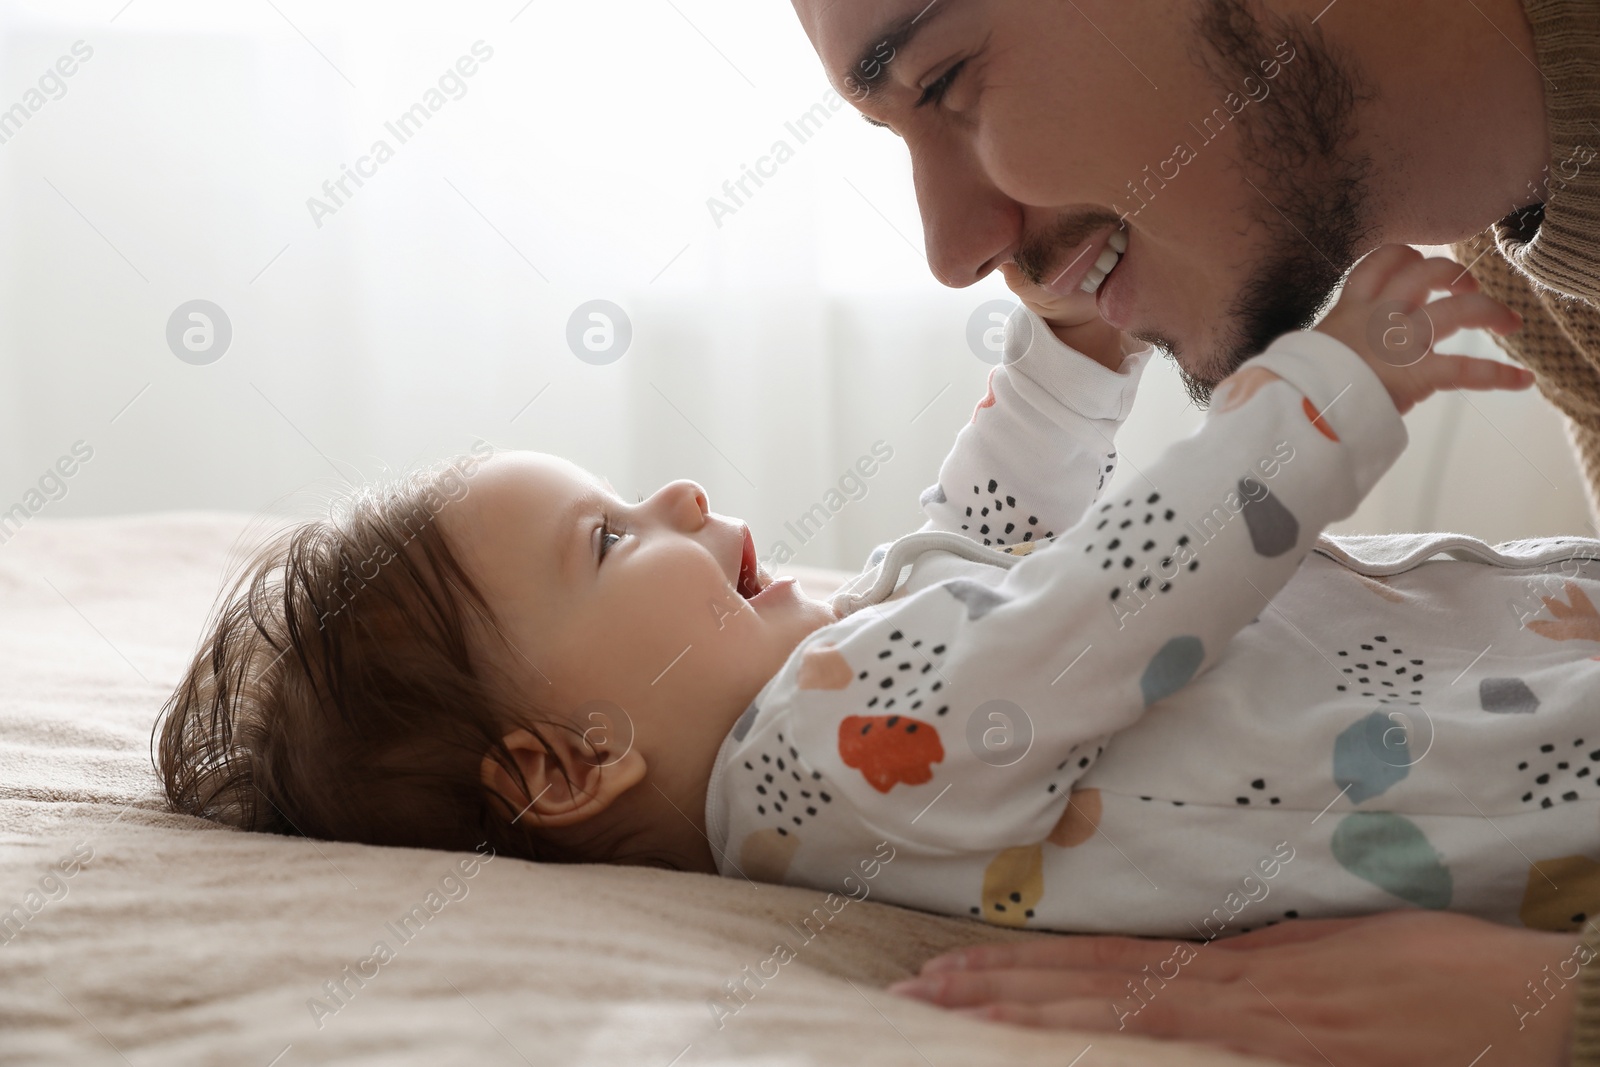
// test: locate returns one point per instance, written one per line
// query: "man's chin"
(1198, 373)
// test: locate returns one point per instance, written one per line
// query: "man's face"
(1218, 139)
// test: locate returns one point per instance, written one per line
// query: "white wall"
(769, 351)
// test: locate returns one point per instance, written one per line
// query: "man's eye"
(936, 90)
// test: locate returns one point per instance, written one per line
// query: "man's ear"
(592, 782)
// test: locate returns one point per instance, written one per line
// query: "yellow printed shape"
(1566, 905)
(1012, 885)
(765, 854)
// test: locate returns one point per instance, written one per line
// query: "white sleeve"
(1075, 641)
(1040, 445)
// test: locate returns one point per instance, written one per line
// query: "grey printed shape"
(1172, 668)
(934, 494)
(1273, 530)
(747, 720)
(979, 598)
(1507, 696)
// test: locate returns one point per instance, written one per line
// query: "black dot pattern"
(1379, 671)
(994, 518)
(905, 675)
(1129, 536)
(1559, 773)
(1074, 765)
(1256, 793)
(781, 789)
(1107, 469)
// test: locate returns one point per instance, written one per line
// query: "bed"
(131, 935)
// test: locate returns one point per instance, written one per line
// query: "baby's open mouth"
(750, 578)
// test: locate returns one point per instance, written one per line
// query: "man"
(1250, 151)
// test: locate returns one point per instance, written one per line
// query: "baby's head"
(498, 650)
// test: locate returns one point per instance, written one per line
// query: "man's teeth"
(1109, 256)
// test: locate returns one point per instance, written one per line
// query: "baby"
(1141, 714)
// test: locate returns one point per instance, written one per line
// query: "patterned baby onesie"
(1151, 713)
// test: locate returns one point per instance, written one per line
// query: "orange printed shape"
(987, 401)
(824, 667)
(1381, 587)
(1079, 822)
(1575, 620)
(1318, 421)
(1240, 386)
(890, 750)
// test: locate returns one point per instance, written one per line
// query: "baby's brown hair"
(337, 694)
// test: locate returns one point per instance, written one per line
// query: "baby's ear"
(567, 781)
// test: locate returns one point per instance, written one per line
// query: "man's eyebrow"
(872, 65)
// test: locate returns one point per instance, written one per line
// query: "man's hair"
(337, 693)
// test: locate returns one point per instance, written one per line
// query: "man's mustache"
(1039, 257)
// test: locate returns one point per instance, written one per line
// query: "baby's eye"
(608, 537)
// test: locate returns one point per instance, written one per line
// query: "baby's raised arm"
(1040, 446)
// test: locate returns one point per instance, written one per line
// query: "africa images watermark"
(1271, 529)
(450, 487)
(452, 888)
(741, 989)
(52, 486)
(851, 487)
(52, 86)
(802, 128)
(51, 888)
(1256, 90)
(402, 128)
(1251, 890)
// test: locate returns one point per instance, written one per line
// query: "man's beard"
(1296, 148)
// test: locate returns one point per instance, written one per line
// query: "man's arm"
(1559, 342)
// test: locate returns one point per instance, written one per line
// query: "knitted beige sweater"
(1545, 263)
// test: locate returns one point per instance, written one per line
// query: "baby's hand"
(1384, 315)
(1072, 318)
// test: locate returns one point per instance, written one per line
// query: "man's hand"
(1393, 990)
(1072, 318)
(1384, 315)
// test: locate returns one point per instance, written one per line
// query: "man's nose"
(969, 227)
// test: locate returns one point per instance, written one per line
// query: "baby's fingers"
(1443, 372)
(1468, 311)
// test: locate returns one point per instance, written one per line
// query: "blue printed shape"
(1507, 696)
(934, 494)
(1273, 528)
(1392, 853)
(1370, 756)
(1172, 668)
(980, 599)
(878, 555)
(747, 720)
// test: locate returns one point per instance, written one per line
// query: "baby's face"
(656, 607)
